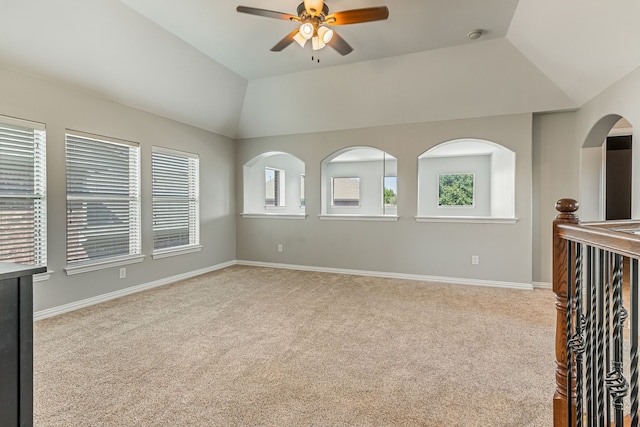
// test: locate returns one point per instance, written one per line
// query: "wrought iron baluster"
(577, 343)
(607, 324)
(600, 336)
(616, 382)
(633, 306)
(589, 337)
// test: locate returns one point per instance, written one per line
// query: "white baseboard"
(419, 277)
(54, 311)
(542, 285)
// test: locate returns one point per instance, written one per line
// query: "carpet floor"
(249, 346)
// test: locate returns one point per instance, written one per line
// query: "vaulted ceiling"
(202, 63)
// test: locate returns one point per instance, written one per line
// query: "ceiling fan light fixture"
(325, 34)
(300, 39)
(317, 43)
(311, 18)
(307, 30)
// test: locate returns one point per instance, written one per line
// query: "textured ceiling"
(202, 63)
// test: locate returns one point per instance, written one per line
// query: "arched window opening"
(274, 185)
(359, 182)
(466, 178)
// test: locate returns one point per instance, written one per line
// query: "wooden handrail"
(613, 236)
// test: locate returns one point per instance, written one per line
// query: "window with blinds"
(103, 199)
(176, 205)
(274, 187)
(23, 218)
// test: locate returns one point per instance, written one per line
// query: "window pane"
(103, 199)
(390, 191)
(303, 199)
(97, 168)
(22, 193)
(270, 187)
(455, 189)
(346, 191)
(274, 187)
(99, 229)
(175, 199)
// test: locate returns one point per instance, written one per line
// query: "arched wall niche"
(593, 168)
(359, 181)
(491, 167)
(259, 184)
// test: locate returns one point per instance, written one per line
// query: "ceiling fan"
(314, 18)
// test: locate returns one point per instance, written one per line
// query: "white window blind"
(103, 198)
(23, 219)
(346, 191)
(176, 204)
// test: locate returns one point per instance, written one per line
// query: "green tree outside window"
(390, 197)
(456, 190)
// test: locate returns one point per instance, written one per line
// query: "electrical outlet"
(123, 272)
(279, 248)
(475, 260)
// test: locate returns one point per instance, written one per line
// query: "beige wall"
(555, 176)
(405, 246)
(61, 108)
(564, 168)
(548, 149)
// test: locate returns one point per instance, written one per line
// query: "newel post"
(566, 215)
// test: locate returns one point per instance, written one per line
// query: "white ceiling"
(202, 63)
(242, 42)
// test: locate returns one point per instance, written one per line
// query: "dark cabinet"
(16, 344)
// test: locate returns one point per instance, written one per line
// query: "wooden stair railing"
(567, 215)
(596, 376)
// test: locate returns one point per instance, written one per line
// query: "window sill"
(42, 276)
(95, 266)
(467, 219)
(274, 215)
(355, 217)
(165, 253)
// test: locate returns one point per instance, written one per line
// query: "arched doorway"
(606, 176)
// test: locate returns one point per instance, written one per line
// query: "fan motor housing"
(303, 10)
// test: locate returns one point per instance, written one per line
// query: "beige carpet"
(249, 346)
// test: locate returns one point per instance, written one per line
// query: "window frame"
(76, 140)
(38, 193)
(279, 188)
(473, 190)
(192, 199)
(333, 198)
(384, 187)
(303, 190)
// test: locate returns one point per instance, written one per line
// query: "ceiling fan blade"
(286, 41)
(357, 16)
(267, 13)
(340, 45)
(313, 7)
